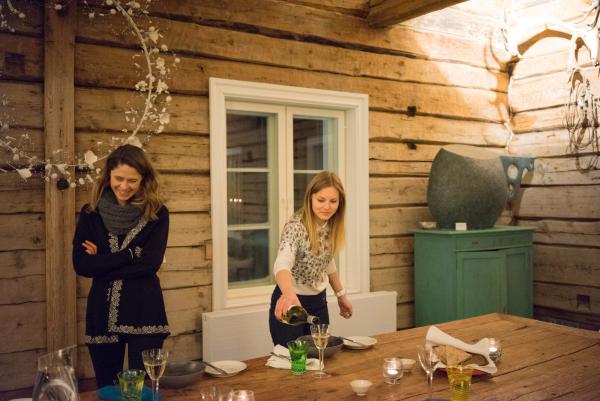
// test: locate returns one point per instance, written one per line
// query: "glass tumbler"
(392, 370)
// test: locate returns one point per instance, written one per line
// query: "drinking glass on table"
(242, 395)
(155, 360)
(214, 392)
(426, 358)
(320, 334)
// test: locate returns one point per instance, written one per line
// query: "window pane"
(248, 198)
(248, 255)
(301, 181)
(246, 140)
(308, 144)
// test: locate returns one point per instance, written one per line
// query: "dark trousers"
(315, 305)
(108, 358)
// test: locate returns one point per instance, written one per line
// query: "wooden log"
(544, 91)
(394, 168)
(561, 232)
(472, 23)
(240, 48)
(393, 126)
(402, 151)
(33, 22)
(391, 260)
(181, 193)
(537, 120)
(567, 265)
(395, 279)
(184, 347)
(576, 202)
(540, 144)
(59, 128)
(101, 109)
(405, 317)
(358, 8)
(189, 229)
(24, 327)
(307, 24)
(579, 299)
(21, 57)
(386, 191)
(562, 171)
(185, 307)
(20, 196)
(27, 233)
(387, 13)
(378, 246)
(23, 104)
(15, 264)
(185, 258)
(549, 63)
(18, 369)
(580, 320)
(167, 152)
(397, 220)
(23, 289)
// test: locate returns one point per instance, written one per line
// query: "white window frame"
(355, 176)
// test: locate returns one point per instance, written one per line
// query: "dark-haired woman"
(120, 243)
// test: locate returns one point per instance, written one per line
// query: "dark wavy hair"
(147, 198)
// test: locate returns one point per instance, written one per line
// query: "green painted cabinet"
(460, 274)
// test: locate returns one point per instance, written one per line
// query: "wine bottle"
(297, 315)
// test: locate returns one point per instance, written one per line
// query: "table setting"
(527, 350)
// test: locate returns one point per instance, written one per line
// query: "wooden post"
(59, 111)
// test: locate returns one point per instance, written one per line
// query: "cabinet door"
(519, 281)
(481, 284)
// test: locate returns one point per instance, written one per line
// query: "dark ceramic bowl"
(181, 374)
(333, 345)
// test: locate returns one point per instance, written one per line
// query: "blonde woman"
(305, 262)
(120, 242)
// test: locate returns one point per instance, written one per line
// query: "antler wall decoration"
(580, 111)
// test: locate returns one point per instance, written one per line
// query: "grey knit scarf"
(117, 220)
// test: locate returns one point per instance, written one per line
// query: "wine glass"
(426, 358)
(242, 395)
(320, 334)
(155, 360)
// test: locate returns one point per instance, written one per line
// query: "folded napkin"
(277, 362)
(436, 336)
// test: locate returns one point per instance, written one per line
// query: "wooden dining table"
(540, 361)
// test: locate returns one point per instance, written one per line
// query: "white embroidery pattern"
(113, 312)
(101, 339)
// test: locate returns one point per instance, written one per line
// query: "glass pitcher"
(55, 379)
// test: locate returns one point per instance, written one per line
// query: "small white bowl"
(407, 364)
(360, 387)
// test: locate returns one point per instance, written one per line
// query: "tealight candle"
(495, 350)
(392, 370)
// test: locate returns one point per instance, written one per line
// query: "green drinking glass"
(298, 353)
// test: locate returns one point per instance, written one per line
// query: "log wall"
(431, 81)
(558, 200)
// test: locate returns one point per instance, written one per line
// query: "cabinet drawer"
(498, 241)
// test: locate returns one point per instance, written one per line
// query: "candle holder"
(392, 370)
(495, 350)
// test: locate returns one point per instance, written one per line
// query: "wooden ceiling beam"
(385, 13)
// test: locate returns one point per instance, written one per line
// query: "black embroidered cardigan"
(125, 297)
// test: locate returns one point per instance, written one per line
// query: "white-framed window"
(266, 143)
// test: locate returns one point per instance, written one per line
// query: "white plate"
(367, 342)
(231, 367)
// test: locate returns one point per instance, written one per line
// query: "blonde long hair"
(324, 179)
(147, 198)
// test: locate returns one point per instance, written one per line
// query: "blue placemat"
(113, 393)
